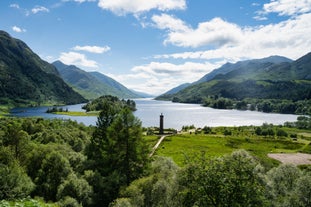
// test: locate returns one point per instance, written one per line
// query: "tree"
(14, 182)
(54, 170)
(158, 189)
(117, 152)
(302, 191)
(233, 180)
(130, 151)
(77, 188)
(17, 139)
(281, 182)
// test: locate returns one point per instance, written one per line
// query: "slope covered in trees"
(92, 84)
(253, 82)
(25, 79)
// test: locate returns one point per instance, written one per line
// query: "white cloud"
(216, 32)
(290, 38)
(288, 7)
(158, 77)
(92, 49)
(16, 6)
(79, 1)
(123, 7)
(18, 29)
(165, 21)
(38, 9)
(78, 59)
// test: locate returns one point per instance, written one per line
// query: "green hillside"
(284, 86)
(265, 80)
(25, 79)
(92, 84)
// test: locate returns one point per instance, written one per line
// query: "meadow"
(224, 140)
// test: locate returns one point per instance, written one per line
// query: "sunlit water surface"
(176, 115)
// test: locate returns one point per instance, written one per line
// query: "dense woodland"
(69, 164)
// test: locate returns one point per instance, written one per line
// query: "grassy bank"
(216, 144)
(78, 113)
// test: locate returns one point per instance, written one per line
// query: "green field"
(27, 203)
(181, 146)
(78, 113)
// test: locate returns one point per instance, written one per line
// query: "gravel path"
(292, 158)
(157, 145)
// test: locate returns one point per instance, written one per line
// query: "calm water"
(176, 115)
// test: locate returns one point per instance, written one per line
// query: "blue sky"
(155, 45)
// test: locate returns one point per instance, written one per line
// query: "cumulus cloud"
(289, 38)
(158, 77)
(78, 59)
(92, 49)
(38, 9)
(18, 29)
(123, 7)
(216, 32)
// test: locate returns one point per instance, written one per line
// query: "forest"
(53, 162)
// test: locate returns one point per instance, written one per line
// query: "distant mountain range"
(92, 84)
(25, 79)
(274, 77)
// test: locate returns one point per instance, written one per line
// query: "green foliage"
(77, 188)
(233, 180)
(159, 188)
(14, 182)
(281, 184)
(38, 156)
(53, 171)
(117, 152)
(100, 103)
(28, 202)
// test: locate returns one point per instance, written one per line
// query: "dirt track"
(292, 158)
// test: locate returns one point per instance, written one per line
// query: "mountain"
(177, 89)
(26, 79)
(142, 94)
(268, 78)
(244, 66)
(92, 84)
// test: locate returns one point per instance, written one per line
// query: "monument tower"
(161, 131)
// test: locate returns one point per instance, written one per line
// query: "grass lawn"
(27, 203)
(178, 147)
(78, 113)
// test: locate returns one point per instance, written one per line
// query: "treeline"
(98, 104)
(56, 109)
(283, 106)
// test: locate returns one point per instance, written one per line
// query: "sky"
(153, 46)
